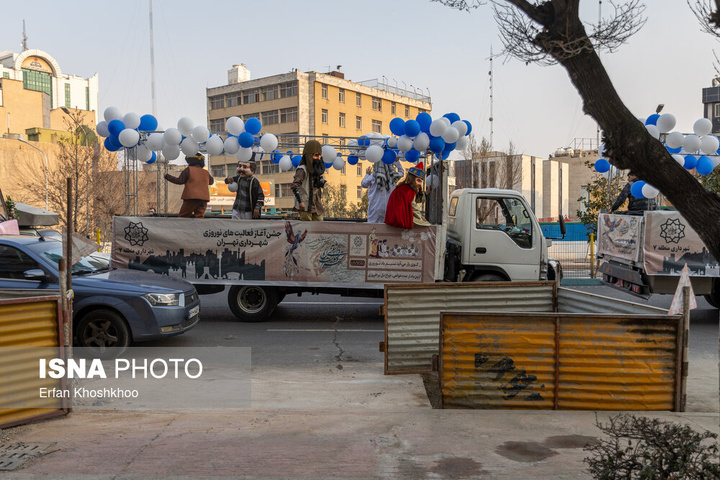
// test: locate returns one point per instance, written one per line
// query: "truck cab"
(493, 235)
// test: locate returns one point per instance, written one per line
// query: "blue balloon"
(602, 165)
(469, 127)
(253, 125)
(690, 162)
(246, 139)
(652, 119)
(276, 156)
(115, 127)
(153, 158)
(328, 165)
(397, 126)
(148, 123)
(449, 147)
(296, 160)
(110, 146)
(704, 165)
(636, 189)
(453, 117)
(673, 150)
(412, 128)
(412, 155)
(437, 144)
(352, 160)
(389, 157)
(443, 155)
(364, 141)
(424, 120)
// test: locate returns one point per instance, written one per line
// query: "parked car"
(112, 307)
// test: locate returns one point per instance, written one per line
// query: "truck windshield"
(506, 214)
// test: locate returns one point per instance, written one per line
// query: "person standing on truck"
(196, 193)
(308, 183)
(400, 209)
(380, 180)
(249, 198)
(634, 203)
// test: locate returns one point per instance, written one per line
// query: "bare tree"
(708, 14)
(551, 32)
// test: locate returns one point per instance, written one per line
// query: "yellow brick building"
(297, 106)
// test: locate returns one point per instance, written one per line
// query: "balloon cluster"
(440, 136)
(697, 151)
(123, 131)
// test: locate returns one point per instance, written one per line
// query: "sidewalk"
(323, 422)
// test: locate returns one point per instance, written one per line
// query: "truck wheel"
(103, 332)
(250, 303)
(487, 277)
(714, 297)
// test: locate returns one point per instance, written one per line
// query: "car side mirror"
(35, 274)
(562, 225)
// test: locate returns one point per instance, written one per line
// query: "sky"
(414, 44)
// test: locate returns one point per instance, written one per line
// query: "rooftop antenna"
(152, 63)
(23, 39)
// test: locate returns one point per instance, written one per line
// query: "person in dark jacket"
(196, 193)
(308, 183)
(634, 203)
(249, 198)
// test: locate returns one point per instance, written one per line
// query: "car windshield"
(52, 252)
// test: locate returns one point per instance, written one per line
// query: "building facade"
(297, 106)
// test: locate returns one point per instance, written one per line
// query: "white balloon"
(352, 143)
(376, 139)
(285, 163)
(674, 140)
(716, 161)
(231, 145)
(244, 154)
(328, 153)
(171, 152)
(268, 142)
(185, 125)
(338, 163)
(189, 146)
(101, 129)
(155, 141)
(653, 130)
(392, 142)
(143, 154)
(235, 125)
(460, 126)
(691, 143)
(450, 135)
(131, 120)
(438, 127)
(200, 134)
(112, 113)
(404, 144)
(679, 159)
(702, 126)
(233, 187)
(421, 142)
(446, 121)
(432, 181)
(129, 137)
(649, 191)
(461, 143)
(214, 145)
(666, 122)
(709, 144)
(374, 153)
(172, 136)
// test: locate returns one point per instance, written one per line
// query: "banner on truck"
(619, 235)
(211, 250)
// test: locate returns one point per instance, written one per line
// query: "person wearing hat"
(400, 208)
(380, 180)
(308, 183)
(634, 203)
(196, 193)
(249, 198)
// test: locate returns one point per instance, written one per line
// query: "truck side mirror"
(562, 225)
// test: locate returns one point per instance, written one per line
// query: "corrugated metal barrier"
(561, 361)
(30, 329)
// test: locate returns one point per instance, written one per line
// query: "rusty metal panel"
(560, 361)
(412, 314)
(576, 301)
(30, 329)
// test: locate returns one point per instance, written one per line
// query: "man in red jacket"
(399, 212)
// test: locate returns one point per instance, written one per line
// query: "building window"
(359, 171)
(358, 99)
(218, 171)
(341, 95)
(67, 95)
(343, 191)
(358, 123)
(288, 89)
(716, 109)
(38, 82)
(343, 170)
(270, 117)
(288, 115)
(217, 102)
(393, 108)
(359, 192)
(377, 126)
(342, 120)
(277, 190)
(270, 167)
(285, 190)
(233, 99)
(376, 104)
(407, 111)
(325, 139)
(323, 90)
(268, 93)
(324, 116)
(251, 96)
(217, 125)
(6, 75)
(87, 98)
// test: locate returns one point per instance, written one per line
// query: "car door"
(13, 265)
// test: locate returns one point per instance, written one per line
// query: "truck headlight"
(163, 299)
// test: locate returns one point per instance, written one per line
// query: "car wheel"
(103, 332)
(714, 297)
(250, 303)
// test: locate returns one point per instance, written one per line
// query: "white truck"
(489, 235)
(645, 252)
